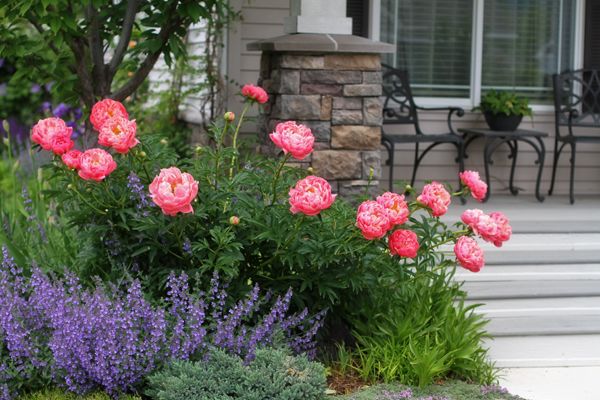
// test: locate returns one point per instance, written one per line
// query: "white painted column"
(318, 16)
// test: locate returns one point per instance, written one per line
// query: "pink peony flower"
(174, 191)
(403, 243)
(72, 159)
(477, 187)
(119, 133)
(372, 219)
(469, 254)
(395, 206)
(293, 138)
(470, 217)
(52, 134)
(62, 144)
(255, 93)
(106, 109)
(311, 195)
(504, 229)
(493, 228)
(436, 197)
(96, 164)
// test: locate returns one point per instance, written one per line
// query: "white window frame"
(477, 54)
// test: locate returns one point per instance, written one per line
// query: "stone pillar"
(331, 83)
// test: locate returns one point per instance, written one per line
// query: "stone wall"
(338, 97)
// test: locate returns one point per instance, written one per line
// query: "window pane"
(524, 43)
(433, 42)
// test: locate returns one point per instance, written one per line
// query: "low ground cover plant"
(375, 276)
(273, 374)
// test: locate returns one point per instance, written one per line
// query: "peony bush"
(140, 212)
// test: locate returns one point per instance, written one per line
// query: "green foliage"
(451, 390)
(273, 374)
(428, 334)
(498, 102)
(84, 46)
(56, 394)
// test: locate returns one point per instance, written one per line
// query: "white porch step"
(531, 289)
(552, 248)
(532, 272)
(526, 215)
(545, 351)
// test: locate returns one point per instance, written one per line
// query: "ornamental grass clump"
(110, 338)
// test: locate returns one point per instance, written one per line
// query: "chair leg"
(571, 197)
(415, 165)
(461, 166)
(391, 158)
(555, 162)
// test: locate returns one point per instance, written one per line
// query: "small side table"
(493, 140)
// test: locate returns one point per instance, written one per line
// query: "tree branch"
(39, 28)
(146, 66)
(97, 52)
(87, 89)
(128, 21)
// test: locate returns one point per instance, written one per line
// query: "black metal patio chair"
(576, 105)
(399, 108)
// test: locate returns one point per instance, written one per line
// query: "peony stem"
(276, 177)
(235, 135)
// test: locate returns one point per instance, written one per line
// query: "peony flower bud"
(234, 220)
(229, 116)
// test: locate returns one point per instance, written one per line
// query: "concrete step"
(552, 248)
(545, 325)
(524, 289)
(545, 351)
(532, 272)
(526, 215)
(556, 306)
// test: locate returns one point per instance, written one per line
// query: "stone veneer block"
(352, 189)
(293, 106)
(326, 107)
(336, 164)
(355, 137)
(331, 77)
(347, 103)
(372, 111)
(319, 88)
(346, 117)
(361, 62)
(372, 77)
(288, 80)
(363, 90)
(371, 159)
(302, 62)
(320, 129)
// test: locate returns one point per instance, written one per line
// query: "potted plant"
(503, 111)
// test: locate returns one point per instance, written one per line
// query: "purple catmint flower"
(110, 337)
(32, 219)
(46, 106)
(139, 194)
(493, 389)
(187, 247)
(48, 86)
(404, 394)
(61, 110)
(35, 88)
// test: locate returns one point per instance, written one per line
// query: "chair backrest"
(577, 98)
(398, 105)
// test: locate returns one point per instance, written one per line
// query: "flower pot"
(502, 122)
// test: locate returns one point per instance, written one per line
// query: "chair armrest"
(451, 110)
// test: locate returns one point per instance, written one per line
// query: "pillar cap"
(320, 43)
